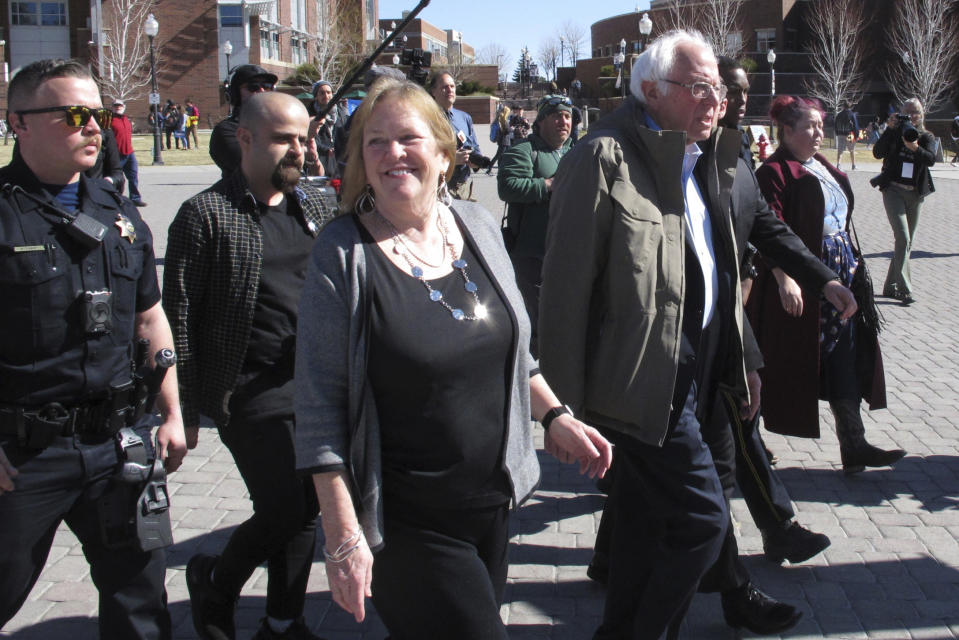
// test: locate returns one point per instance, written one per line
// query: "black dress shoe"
(749, 607)
(140, 203)
(598, 569)
(792, 542)
(869, 456)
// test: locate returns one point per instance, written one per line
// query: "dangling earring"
(366, 203)
(443, 192)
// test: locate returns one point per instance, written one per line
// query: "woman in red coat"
(809, 349)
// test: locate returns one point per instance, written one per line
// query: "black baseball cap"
(250, 73)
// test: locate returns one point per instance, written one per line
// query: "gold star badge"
(126, 227)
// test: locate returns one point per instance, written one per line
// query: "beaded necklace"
(401, 249)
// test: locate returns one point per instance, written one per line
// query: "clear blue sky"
(512, 24)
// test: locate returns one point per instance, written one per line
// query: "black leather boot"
(856, 453)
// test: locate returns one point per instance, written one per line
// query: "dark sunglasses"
(76, 116)
(253, 87)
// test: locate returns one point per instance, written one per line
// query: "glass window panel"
(231, 15)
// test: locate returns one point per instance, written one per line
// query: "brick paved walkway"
(892, 570)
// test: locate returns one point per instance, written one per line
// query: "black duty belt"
(37, 427)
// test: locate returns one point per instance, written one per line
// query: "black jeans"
(441, 572)
(282, 530)
(62, 483)
(668, 520)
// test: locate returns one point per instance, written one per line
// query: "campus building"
(278, 35)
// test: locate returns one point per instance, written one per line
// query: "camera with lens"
(479, 161)
(96, 311)
(908, 131)
(418, 61)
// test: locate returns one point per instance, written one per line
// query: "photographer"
(907, 152)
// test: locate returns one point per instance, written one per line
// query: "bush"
(607, 70)
(749, 65)
(303, 76)
(470, 87)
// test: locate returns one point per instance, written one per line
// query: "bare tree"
(495, 54)
(717, 20)
(339, 44)
(124, 65)
(838, 52)
(453, 62)
(574, 38)
(548, 56)
(924, 37)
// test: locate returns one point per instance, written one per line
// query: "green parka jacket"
(521, 183)
(611, 304)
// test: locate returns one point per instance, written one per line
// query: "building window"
(765, 39)
(231, 15)
(47, 14)
(298, 50)
(265, 43)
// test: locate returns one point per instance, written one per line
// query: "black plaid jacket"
(211, 278)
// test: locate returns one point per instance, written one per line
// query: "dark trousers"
(442, 572)
(667, 518)
(282, 530)
(529, 279)
(132, 171)
(764, 493)
(740, 458)
(62, 483)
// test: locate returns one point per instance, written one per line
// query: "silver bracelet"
(346, 549)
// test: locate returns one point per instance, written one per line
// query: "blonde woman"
(504, 139)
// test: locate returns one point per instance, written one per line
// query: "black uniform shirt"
(45, 353)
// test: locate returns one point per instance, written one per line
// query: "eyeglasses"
(76, 115)
(253, 87)
(553, 101)
(701, 89)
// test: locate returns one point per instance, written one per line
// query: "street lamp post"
(533, 74)
(619, 62)
(151, 27)
(645, 28)
(562, 48)
(227, 51)
(771, 59)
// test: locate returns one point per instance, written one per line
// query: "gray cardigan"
(336, 422)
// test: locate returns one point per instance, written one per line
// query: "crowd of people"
(648, 296)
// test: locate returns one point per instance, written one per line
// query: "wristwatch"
(554, 413)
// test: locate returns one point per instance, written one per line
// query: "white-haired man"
(641, 321)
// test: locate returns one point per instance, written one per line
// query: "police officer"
(77, 291)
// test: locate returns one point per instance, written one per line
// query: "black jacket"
(108, 163)
(755, 222)
(889, 148)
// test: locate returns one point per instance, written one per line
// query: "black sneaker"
(296, 631)
(212, 610)
(140, 203)
(751, 608)
(792, 542)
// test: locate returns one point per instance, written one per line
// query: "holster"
(135, 508)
